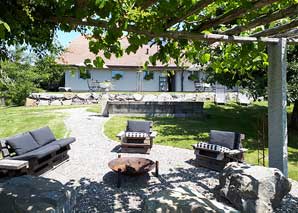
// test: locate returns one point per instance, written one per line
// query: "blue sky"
(64, 38)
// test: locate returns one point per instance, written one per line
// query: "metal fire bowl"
(131, 165)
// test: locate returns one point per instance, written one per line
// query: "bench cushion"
(43, 135)
(136, 135)
(138, 126)
(64, 142)
(212, 147)
(22, 143)
(224, 138)
(38, 153)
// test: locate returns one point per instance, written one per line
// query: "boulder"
(30, 102)
(112, 96)
(149, 98)
(45, 96)
(69, 96)
(57, 96)
(121, 97)
(252, 188)
(183, 200)
(84, 96)
(95, 96)
(56, 103)
(43, 102)
(137, 97)
(78, 101)
(178, 97)
(165, 97)
(35, 194)
(190, 97)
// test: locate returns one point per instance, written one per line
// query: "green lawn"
(94, 108)
(14, 120)
(182, 132)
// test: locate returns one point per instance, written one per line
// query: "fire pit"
(132, 166)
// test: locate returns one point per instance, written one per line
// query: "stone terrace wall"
(45, 99)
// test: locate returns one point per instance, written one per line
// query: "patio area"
(88, 173)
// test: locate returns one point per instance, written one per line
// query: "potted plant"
(148, 76)
(193, 77)
(117, 76)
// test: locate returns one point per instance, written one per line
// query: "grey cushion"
(223, 138)
(38, 153)
(64, 142)
(43, 135)
(22, 143)
(138, 126)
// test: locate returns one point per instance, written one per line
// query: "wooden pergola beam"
(171, 34)
(265, 19)
(232, 15)
(289, 34)
(277, 30)
(194, 9)
(145, 3)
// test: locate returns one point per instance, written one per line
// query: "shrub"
(17, 81)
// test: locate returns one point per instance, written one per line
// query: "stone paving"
(87, 169)
(88, 173)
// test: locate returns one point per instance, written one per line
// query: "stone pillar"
(277, 106)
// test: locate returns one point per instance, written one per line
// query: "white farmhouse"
(125, 72)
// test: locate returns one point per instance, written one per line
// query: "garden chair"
(138, 137)
(38, 148)
(243, 99)
(223, 147)
(220, 96)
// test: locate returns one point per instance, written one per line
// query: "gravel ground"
(88, 173)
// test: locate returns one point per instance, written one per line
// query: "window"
(84, 74)
(117, 75)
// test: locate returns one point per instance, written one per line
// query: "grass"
(183, 132)
(14, 120)
(96, 108)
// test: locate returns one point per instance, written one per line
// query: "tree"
(292, 79)
(178, 27)
(19, 76)
(243, 65)
(252, 76)
(174, 25)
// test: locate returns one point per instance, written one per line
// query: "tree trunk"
(294, 116)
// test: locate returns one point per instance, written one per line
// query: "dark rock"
(252, 188)
(35, 194)
(183, 200)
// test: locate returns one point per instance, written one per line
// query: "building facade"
(126, 73)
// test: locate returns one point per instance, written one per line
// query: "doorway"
(171, 76)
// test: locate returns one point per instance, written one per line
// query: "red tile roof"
(78, 51)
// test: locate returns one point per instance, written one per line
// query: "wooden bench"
(13, 167)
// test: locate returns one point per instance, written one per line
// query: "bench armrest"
(236, 151)
(120, 134)
(153, 134)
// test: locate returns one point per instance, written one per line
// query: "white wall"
(73, 81)
(127, 83)
(188, 85)
(153, 84)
